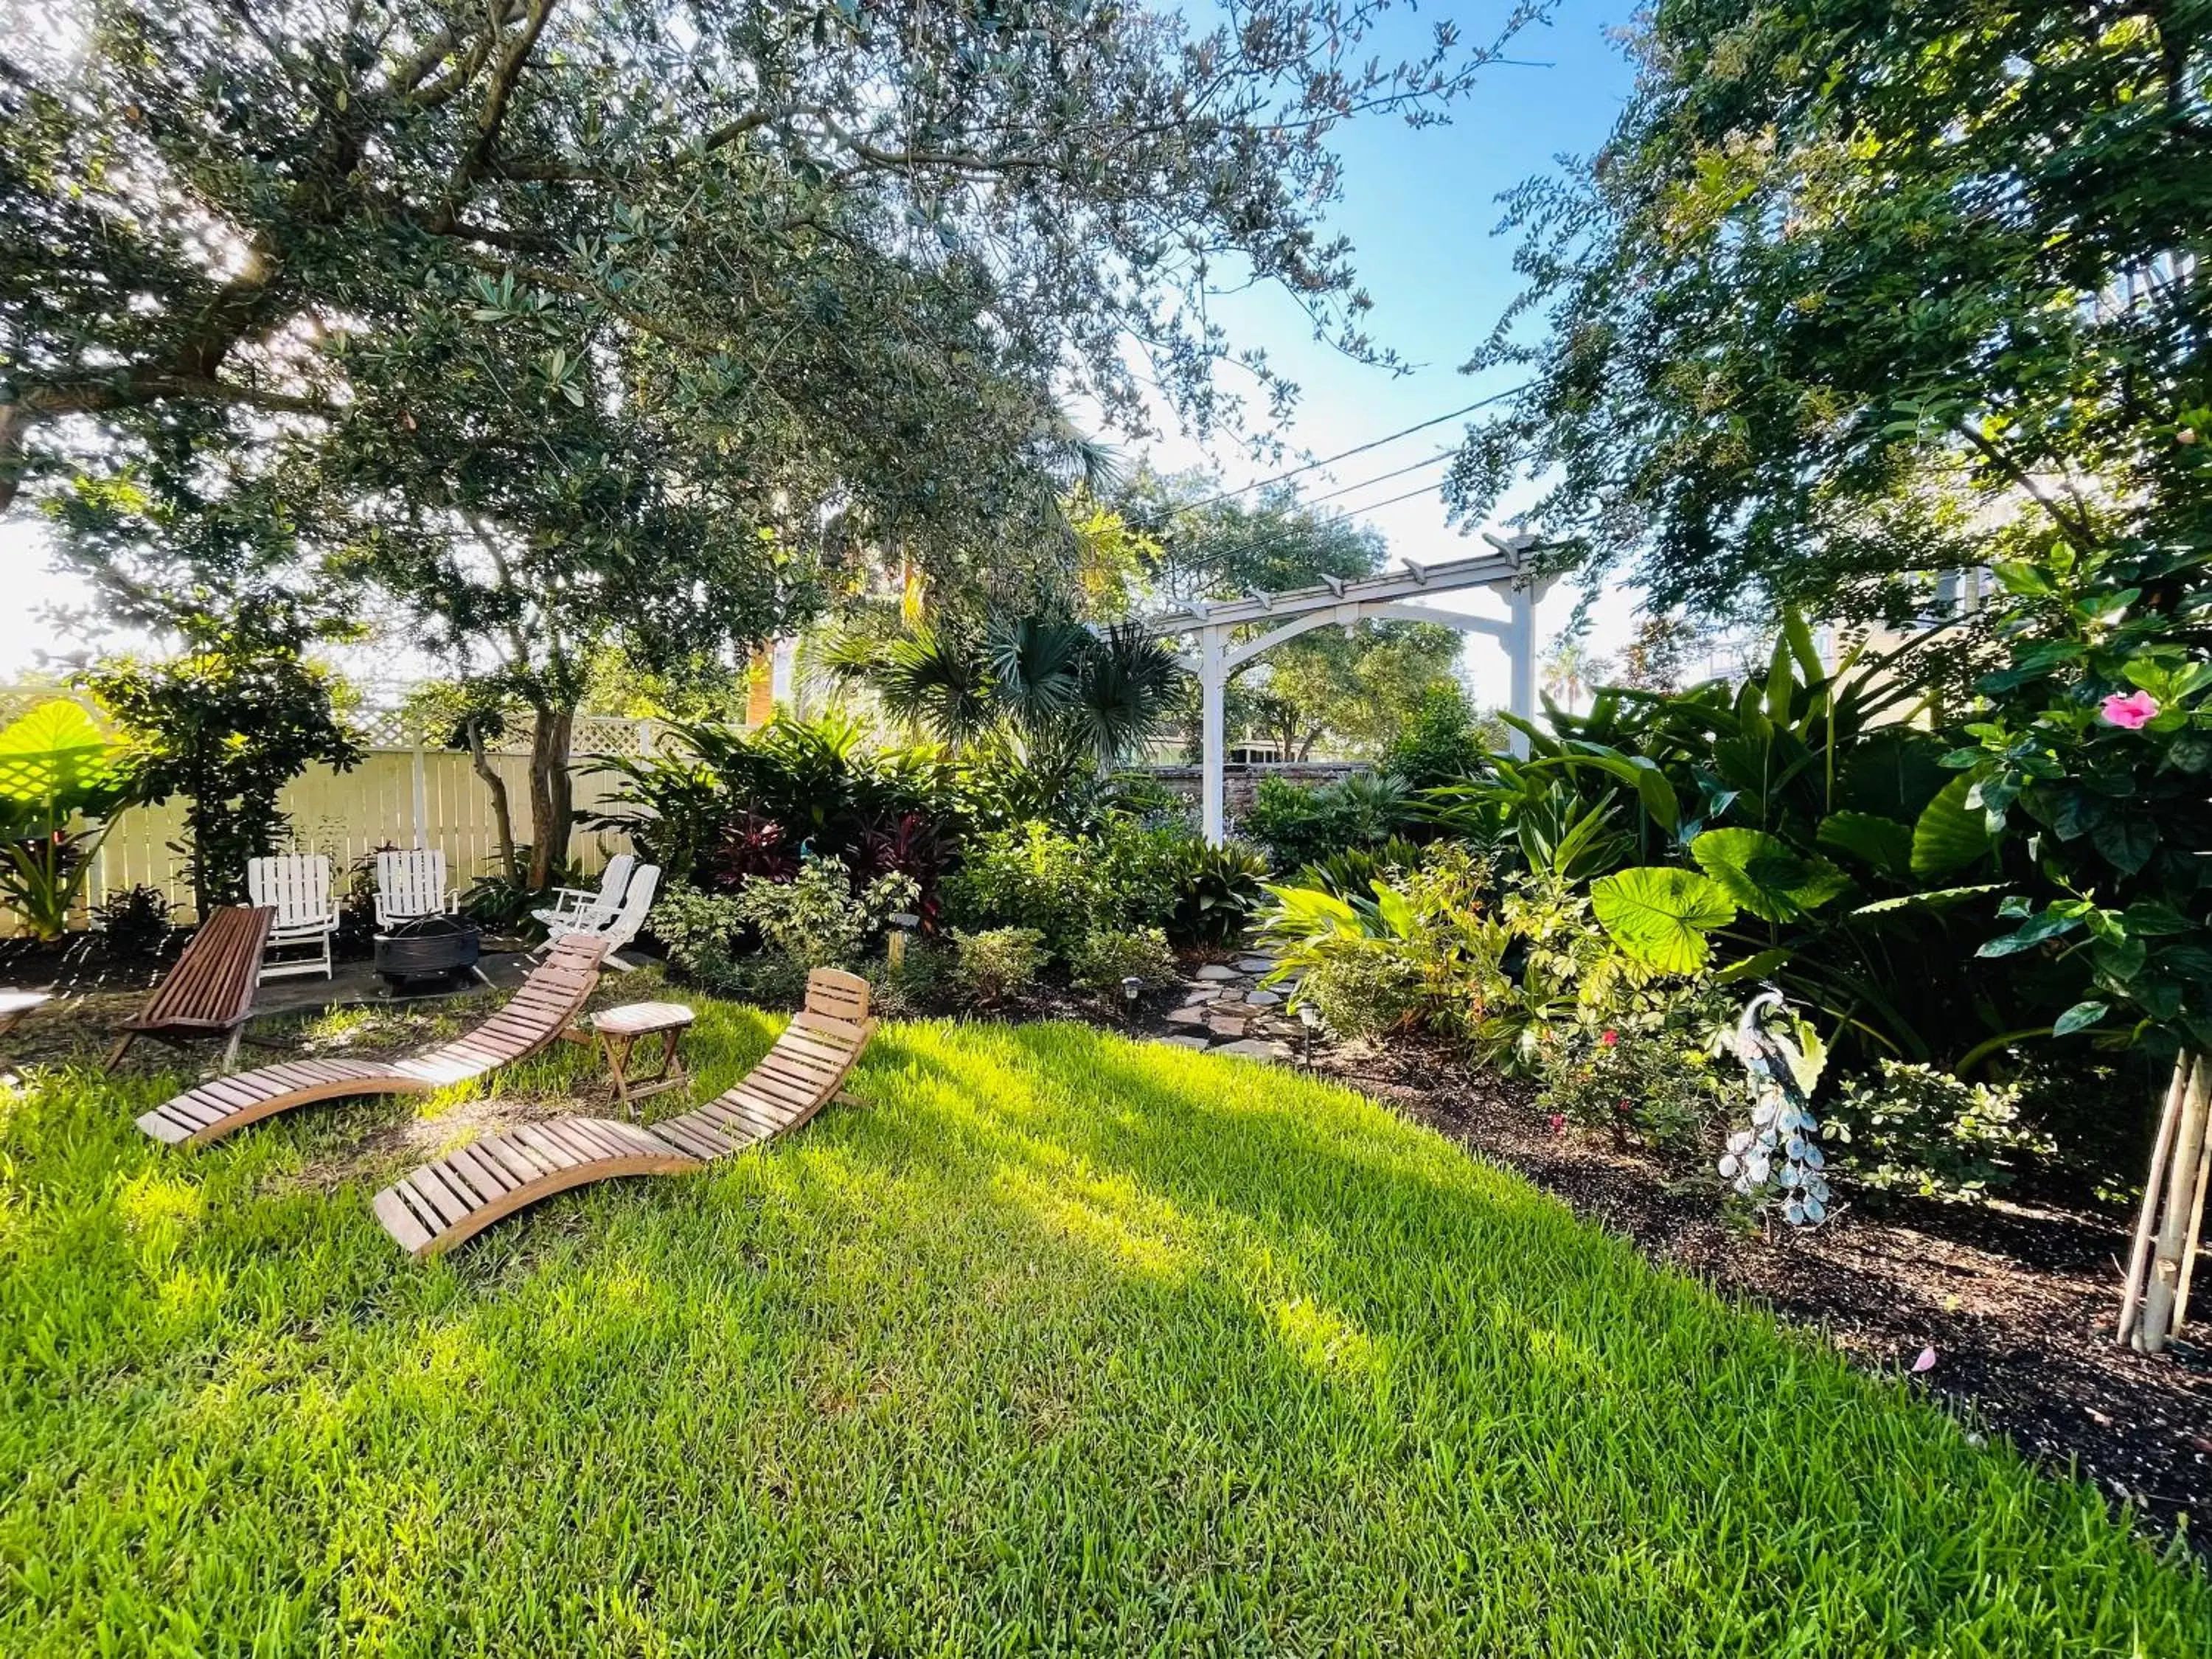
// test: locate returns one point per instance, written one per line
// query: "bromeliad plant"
(59, 777)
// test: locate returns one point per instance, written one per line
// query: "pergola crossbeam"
(1342, 601)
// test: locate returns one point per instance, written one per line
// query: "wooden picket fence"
(397, 797)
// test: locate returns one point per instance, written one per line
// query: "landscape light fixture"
(903, 922)
(1130, 988)
(1309, 1019)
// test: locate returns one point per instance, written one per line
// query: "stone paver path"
(1223, 1010)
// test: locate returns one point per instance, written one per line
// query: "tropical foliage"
(718, 803)
(59, 778)
(2094, 748)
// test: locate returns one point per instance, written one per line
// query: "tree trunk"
(502, 812)
(551, 794)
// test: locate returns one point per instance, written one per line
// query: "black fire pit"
(429, 947)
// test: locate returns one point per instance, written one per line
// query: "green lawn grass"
(1058, 1344)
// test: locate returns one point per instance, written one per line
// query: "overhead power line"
(1380, 477)
(1281, 538)
(1357, 449)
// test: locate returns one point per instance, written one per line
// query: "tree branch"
(494, 113)
(438, 47)
(2079, 529)
(36, 404)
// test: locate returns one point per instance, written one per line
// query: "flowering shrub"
(2093, 757)
(1657, 1086)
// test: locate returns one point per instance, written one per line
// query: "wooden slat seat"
(454, 1198)
(209, 991)
(549, 1000)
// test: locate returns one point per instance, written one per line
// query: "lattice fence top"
(591, 734)
(389, 728)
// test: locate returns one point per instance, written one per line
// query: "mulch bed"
(2017, 1301)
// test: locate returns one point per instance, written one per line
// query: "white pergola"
(1393, 595)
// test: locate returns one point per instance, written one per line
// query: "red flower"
(1558, 1122)
(1611, 1039)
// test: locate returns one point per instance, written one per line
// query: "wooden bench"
(455, 1197)
(210, 992)
(553, 995)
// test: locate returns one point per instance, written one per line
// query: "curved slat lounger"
(548, 1002)
(455, 1197)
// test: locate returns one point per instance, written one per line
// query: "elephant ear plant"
(58, 780)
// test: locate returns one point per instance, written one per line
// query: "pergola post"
(1213, 686)
(1392, 595)
(1521, 653)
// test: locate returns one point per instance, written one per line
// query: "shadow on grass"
(1060, 1341)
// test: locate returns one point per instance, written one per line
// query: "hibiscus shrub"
(2095, 755)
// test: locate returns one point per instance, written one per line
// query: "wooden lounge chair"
(210, 992)
(541, 1011)
(457, 1196)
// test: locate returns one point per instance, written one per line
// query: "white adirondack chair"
(412, 884)
(577, 904)
(298, 888)
(619, 926)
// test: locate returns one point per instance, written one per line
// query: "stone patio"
(355, 982)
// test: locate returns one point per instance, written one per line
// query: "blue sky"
(1420, 206)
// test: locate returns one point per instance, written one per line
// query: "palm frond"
(939, 682)
(1035, 669)
(1127, 692)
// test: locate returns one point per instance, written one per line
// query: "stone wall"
(1240, 783)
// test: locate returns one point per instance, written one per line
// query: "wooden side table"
(619, 1031)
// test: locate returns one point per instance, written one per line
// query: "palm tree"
(1572, 669)
(1052, 684)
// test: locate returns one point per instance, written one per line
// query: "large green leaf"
(56, 763)
(1661, 917)
(1950, 835)
(1765, 875)
(1935, 899)
(1307, 911)
(1882, 843)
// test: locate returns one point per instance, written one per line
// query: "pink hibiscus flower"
(2131, 713)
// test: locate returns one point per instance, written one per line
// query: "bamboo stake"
(2147, 1223)
(2165, 1276)
(2195, 1235)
